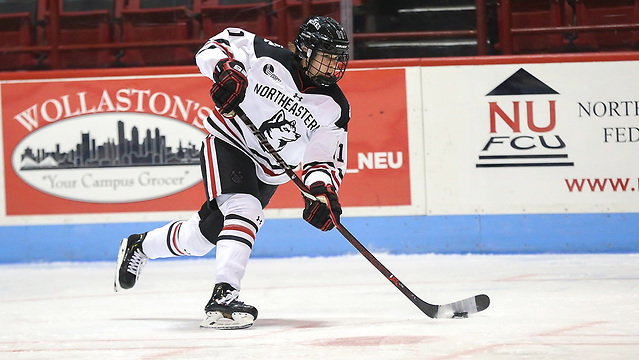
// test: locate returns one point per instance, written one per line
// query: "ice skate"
(131, 261)
(225, 312)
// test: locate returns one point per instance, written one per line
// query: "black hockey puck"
(460, 315)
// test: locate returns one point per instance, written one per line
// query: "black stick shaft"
(428, 309)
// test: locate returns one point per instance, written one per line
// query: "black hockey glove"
(316, 212)
(230, 85)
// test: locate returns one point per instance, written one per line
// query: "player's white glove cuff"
(316, 176)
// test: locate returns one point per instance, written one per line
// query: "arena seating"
(81, 22)
(16, 30)
(540, 26)
(170, 25)
(601, 13)
(527, 14)
(112, 33)
(296, 12)
(215, 17)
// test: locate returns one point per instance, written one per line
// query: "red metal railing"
(507, 31)
(283, 34)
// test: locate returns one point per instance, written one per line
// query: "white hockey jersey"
(305, 123)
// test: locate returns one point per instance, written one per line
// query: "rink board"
(460, 155)
(460, 234)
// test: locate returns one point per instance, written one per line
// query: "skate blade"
(121, 252)
(216, 320)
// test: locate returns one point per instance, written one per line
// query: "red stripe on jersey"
(336, 180)
(226, 125)
(225, 49)
(268, 171)
(241, 228)
(222, 120)
(174, 238)
(330, 170)
(210, 165)
(315, 167)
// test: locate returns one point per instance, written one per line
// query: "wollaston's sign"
(103, 145)
(131, 144)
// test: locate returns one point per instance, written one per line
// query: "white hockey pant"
(243, 217)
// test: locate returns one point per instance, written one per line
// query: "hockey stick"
(457, 309)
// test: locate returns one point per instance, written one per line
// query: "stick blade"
(460, 309)
(482, 301)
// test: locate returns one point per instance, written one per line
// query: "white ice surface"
(543, 307)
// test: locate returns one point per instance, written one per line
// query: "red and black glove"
(230, 85)
(316, 212)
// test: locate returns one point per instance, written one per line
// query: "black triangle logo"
(522, 83)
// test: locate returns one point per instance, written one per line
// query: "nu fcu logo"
(522, 116)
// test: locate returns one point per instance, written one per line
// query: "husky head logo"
(279, 131)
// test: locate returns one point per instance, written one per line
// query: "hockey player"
(292, 97)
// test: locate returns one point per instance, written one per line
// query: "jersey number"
(340, 153)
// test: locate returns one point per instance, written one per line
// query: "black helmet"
(319, 34)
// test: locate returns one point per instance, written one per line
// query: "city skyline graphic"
(115, 152)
